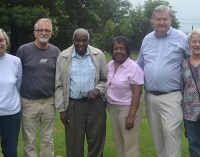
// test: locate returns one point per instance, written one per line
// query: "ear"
(34, 33)
(151, 21)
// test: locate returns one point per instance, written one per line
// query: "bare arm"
(136, 93)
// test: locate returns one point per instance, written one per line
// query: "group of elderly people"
(168, 66)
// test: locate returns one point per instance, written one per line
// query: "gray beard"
(43, 40)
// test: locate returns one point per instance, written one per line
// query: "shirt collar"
(125, 63)
(3, 56)
(167, 33)
(75, 54)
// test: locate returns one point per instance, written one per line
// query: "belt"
(161, 93)
(48, 99)
(81, 99)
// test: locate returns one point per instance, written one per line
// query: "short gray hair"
(162, 8)
(81, 30)
(194, 31)
(6, 37)
(45, 20)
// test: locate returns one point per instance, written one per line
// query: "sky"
(187, 12)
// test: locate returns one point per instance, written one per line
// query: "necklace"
(116, 67)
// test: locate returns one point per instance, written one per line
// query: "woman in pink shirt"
(124, 86)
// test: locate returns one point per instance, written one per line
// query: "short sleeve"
(137, 75)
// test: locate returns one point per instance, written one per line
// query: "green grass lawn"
(146, 144)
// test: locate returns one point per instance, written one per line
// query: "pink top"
(118, 83)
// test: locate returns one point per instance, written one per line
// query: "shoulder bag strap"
(194, 78)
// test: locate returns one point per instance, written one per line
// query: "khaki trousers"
(165, 117)
(38, 112)
(127, 141)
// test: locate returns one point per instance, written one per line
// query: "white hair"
(162, 8)
(82, 30)
(194, 31)
(44, 20)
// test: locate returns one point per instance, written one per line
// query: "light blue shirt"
(161, 59)
(82, 77)
(10, 82)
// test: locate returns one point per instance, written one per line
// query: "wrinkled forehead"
(81, 35)
(161, 13)
(43, 24)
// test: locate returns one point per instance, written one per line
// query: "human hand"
(129, 122)
(93, 93)
(63, 118)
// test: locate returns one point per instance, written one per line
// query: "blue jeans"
(9, 132)
(193, 135)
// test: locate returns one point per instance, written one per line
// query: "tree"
(104, 19)
(138, 23)
(114, 15)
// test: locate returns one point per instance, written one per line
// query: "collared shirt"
(161, 59)
(191, 100)
(118, 83)
(10, 82)
(82, 77)
(63, 75)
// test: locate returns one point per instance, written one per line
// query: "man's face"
(195, 44)
(43, 32)
(161, 22)
(80, 42)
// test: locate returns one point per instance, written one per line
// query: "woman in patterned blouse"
(191, 94)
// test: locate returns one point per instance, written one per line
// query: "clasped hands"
(92, 94)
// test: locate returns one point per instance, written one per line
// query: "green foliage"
(138, 27)
(22, 20)
(4, 17)
(104, 19)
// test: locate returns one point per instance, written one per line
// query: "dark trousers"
(193, 135)
(9, 132)
(87, 119)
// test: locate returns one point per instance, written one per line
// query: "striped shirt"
(82, 75)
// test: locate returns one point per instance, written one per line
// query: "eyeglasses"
(43, 30)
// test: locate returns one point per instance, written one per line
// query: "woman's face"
(2, 44)
(195, 44)
(119, 52)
